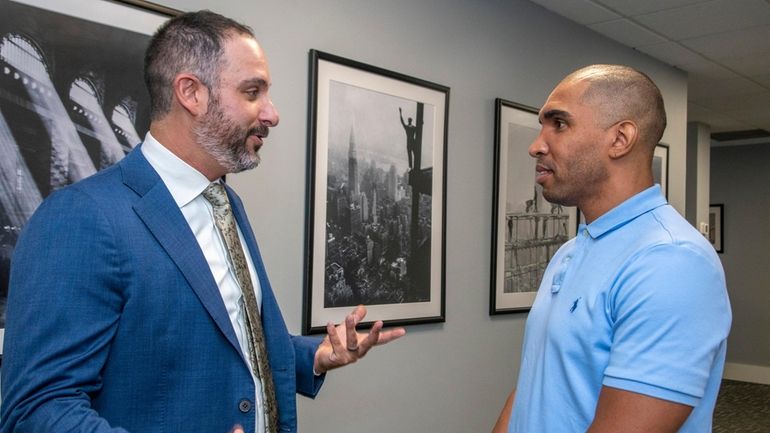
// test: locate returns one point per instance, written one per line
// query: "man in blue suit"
(125, 312)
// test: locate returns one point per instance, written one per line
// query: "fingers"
(334, 339)
(377, 336)
(352, 341)
(371, 339)
(359, 313)
(333, 353)
(388, 336)
(351, 336)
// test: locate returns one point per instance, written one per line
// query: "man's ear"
(191, 94)
(625, 136)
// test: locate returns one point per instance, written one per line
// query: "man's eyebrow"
(550, 114)
(259, 82)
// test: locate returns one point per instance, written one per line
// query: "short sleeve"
(671, 317)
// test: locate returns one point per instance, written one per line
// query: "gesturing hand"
(343, 345)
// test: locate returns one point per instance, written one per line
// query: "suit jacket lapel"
(272, 322)
(268, 300)
(165, 221)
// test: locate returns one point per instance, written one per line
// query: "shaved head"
(623, 93)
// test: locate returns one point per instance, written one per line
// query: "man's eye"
(559, 124)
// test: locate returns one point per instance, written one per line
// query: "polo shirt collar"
(639, 204)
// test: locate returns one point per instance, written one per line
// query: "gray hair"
(192, 42)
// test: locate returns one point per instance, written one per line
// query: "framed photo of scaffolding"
(72, 99)
(377, 195)
(526, 229)
(660, 167)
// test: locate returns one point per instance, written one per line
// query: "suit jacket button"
(244, 405)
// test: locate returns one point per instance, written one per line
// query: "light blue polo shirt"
(637, 301)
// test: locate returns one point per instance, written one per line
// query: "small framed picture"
(377, 195)
(716, 222)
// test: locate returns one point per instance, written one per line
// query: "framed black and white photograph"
(660, 167)
(526, 229)
(72, 99)
(377, 195)
(716, 223)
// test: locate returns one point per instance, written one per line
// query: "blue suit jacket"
(114, 320)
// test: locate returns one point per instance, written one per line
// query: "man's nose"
(269, 115)
(538, 146)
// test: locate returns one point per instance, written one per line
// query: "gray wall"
(740, 179)
(450, 377)
(698, 173)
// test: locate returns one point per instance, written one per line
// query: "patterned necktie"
(223, 217)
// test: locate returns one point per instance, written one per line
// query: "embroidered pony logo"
(574, 305)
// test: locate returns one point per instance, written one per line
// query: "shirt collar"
(639, 204)
(182, 180)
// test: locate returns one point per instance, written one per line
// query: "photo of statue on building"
(378, 198)
(72, 102)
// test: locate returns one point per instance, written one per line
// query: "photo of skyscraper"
(378, 198)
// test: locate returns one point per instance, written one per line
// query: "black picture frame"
(526, 229)
(375, 225)
(716, 226)
(71, 89)
(151, 7)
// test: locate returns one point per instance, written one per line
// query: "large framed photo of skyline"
(526, 229)
(72, 99)
(377, 195)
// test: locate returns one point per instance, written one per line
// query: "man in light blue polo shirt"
(628, 331)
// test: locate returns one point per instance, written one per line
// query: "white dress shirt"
(186, 184)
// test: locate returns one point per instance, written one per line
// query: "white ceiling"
(724, 45)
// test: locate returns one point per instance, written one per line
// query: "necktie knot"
(216, 195)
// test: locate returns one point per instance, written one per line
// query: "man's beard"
(571, 186)
(225, 141)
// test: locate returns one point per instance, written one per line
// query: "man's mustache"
(261, 131)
